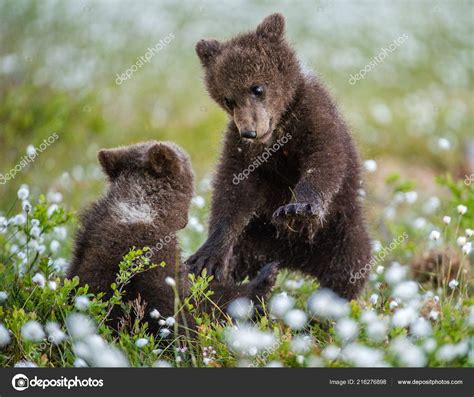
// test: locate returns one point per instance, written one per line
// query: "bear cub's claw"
(299, 209)
(209, 259)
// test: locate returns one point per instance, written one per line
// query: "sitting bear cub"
(147, 202)
(287, 185)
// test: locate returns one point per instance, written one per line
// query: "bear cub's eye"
(229, 103)
(258, 90)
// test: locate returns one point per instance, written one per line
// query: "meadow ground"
(411, 115)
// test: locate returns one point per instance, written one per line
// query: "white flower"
(82, 302)
(467, 248)
(52, 209)
(421, 328)
(411, 197)
(301, 344)
(32, 331)
(406, 290)
(60, 232)
(296, 319)
(155, 314)
(274, 364)
(331, 352)
(80, 326)
(54, 246)
(52, 285)
(95, 351)
(453, 283)
(461, 240)
(469, 232)
(35, 231)
(241, 308)
(162, 322)
(395, 273)
(374, 298)
(347, 329)
(170, 321)
(379, 269)
(3, 224)
(449, 352)
(430, 345)
(433, 314)
(170, 281)
(19, 219)
(294, 284)
(407, 353)
(194, 223)
(26, 206)
(368, 316)
(79, 363)
(362, 356)
(162, 364)
(25, 364)
(164, 332)
(462, 209)
(444, 144)
(404, 317)
(370, 165)
(446, 220)
(4, 336)
(198, 201)
(431, 205)
(39, 279)
(376, 245)
(23, 193)
(280, 304)
(141, 342)
(54, 197)
(435, 235)
(35, 222)
(30, 150)
(325, 303)
(248, 340)
(377, 330)
(3, 296)
(55, 334)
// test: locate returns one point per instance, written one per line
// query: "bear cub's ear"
(272, 27)
(164, 160)
(207, 50)
(110, 160)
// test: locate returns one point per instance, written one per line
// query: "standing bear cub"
(147, 202)
(287, 185)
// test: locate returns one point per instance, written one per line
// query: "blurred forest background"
(59, 62)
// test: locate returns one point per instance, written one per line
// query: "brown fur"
(147, 202)
(301, 207)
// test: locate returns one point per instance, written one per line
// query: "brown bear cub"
(147, 202)
(287, 185)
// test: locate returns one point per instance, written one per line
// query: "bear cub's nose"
(248, 134)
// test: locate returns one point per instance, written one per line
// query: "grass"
(412, 114)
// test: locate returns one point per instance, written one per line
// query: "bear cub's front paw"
(208, 257)
(302, 218)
